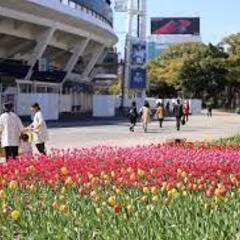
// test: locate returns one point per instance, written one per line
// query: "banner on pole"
(139, 53)
(138, 77)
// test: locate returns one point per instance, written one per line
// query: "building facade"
(52, 47)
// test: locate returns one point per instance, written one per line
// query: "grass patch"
(235, 140)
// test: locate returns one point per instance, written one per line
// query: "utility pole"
(143, 30)
(141, 13)
(127, 65)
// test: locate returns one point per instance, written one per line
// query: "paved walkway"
(117, 134)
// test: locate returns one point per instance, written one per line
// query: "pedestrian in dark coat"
(178, 111)
(133, 116)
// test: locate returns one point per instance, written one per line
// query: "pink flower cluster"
(186, 166)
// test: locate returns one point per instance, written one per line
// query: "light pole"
(127, 65)
(140, 12)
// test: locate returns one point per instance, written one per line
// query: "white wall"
(49, 104)
(103, 106)
(195, 104)
(65, 103)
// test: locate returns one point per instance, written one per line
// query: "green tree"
(194, 69)
(232, 46)
(116, 88)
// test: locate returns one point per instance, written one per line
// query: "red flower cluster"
(213, 170)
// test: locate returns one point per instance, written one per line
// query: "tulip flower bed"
(155, 192)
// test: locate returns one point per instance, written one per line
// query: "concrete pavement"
(117, 133)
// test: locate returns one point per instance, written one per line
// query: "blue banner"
(138, 78)
(139, 53)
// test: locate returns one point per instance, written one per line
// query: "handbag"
(183, 121)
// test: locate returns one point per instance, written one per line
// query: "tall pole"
(141, 13)
(138, 19)
(143, 33)
(130, 15)
(143, 17)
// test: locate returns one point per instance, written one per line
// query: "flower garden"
(183, 191)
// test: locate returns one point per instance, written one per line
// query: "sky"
(219, 18)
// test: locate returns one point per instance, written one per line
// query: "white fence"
(66, 103)
(49, 104)
(53, 104)
(195, 104)
(104, 106)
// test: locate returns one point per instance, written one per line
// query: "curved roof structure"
(72, 36)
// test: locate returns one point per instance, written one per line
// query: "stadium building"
(50, 51)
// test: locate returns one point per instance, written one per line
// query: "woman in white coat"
(39, 129)
(11, 128)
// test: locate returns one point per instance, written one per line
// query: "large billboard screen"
(175, 26)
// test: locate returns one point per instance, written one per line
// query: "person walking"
(39, 129)
(186, 110)
(11, 128)
(178, 111)
(209, 111)
(168, 109)
(146, 115)
(160, 112)
(133, 116)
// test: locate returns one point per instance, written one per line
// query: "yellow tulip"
(112, 200)
(118, 191)
(141, 173)
(69, 181)
(145, 190)
(15, 215)
(155, 190)
(184, 193)
(32, 188)
(155, 199)
(3, 195)
(62, 198)
(63, 190)
(173, 193)
(144, 199)
(63, 208)
(99, 212)
(13, 185)
(129, 208)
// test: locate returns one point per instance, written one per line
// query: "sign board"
(175, 25)
(138, 77)
(139, 53)
(120, 5)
